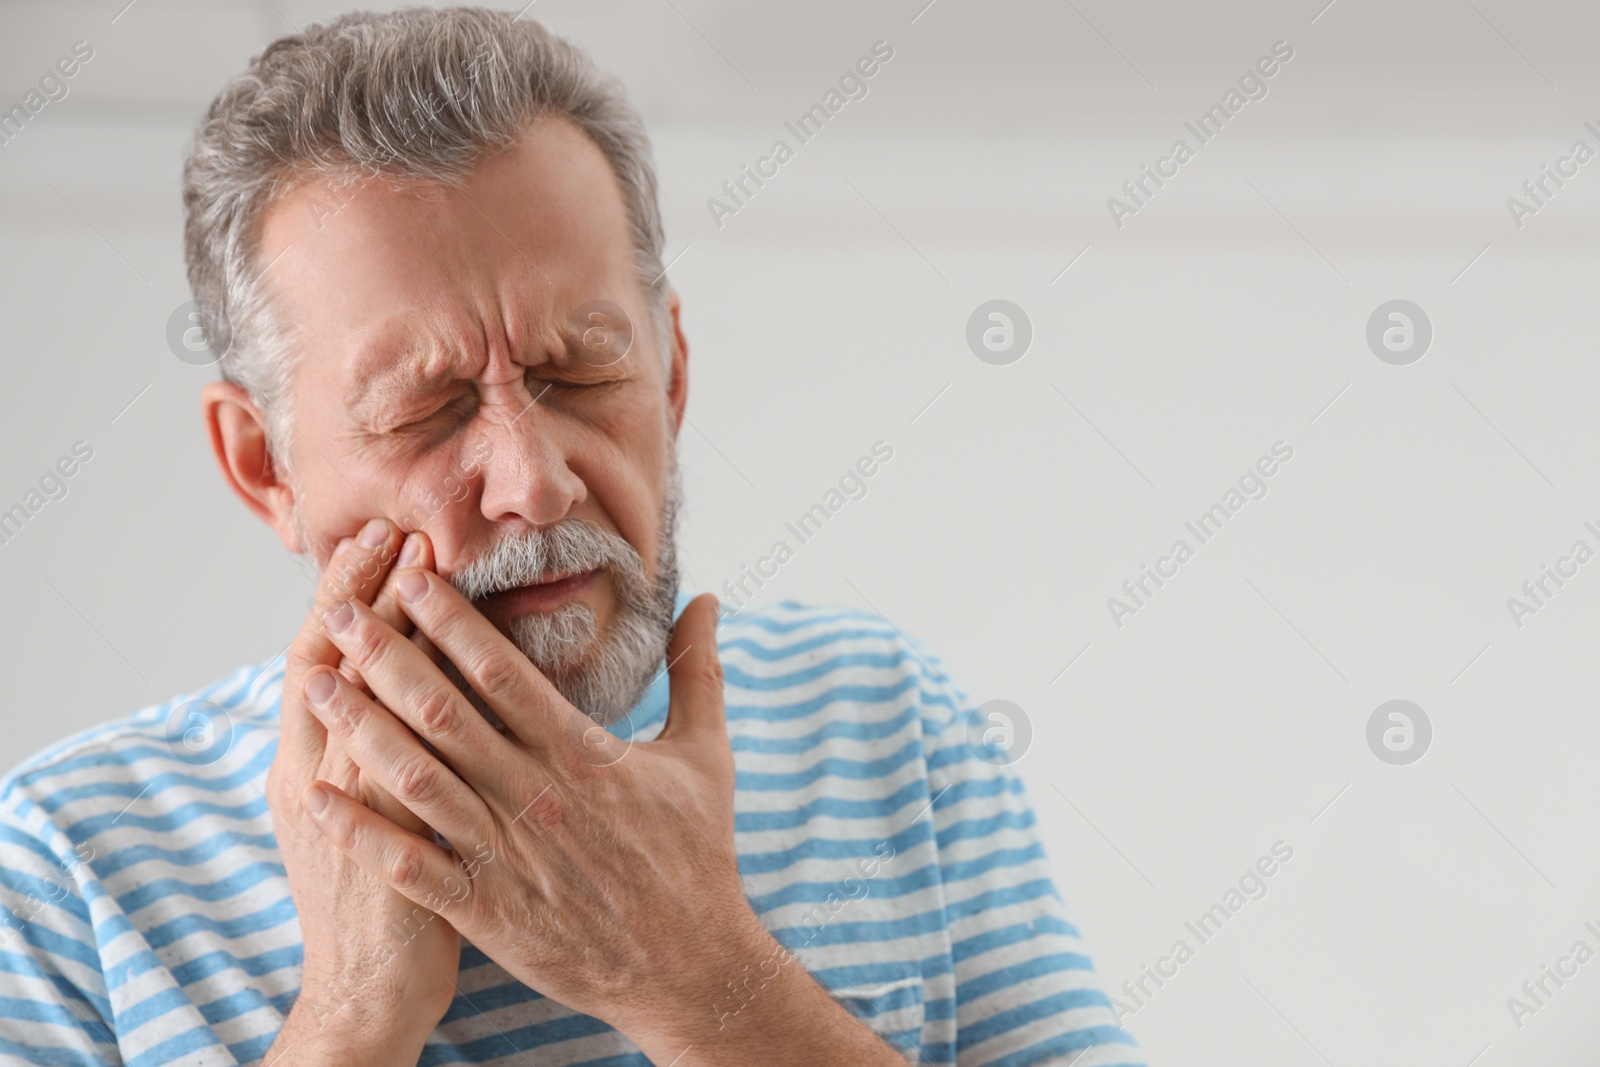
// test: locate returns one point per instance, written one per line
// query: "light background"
(830, 312)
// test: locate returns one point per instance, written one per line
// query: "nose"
(526, 476)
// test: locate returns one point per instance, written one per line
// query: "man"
(508, 796)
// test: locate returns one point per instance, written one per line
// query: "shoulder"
(819, 654)
(214, 733)
(789, 634)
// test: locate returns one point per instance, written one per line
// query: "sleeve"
(1026, 991)
(53, 1001)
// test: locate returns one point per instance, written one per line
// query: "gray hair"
(416, 95)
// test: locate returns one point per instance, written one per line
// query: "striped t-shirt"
(147, 918)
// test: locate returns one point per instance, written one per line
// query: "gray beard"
(602, 674)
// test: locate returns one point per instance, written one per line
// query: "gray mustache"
(570, 546)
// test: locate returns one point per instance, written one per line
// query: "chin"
(601, 670)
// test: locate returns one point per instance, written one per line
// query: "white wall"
(1223, 317)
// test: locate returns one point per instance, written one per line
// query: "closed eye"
(539, 383)
(456, 410)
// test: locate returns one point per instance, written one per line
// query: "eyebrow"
(400, 359)
(388, 367)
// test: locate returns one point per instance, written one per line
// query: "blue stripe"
(849, 740)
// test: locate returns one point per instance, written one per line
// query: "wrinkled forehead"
(397, 283)
(418, 353)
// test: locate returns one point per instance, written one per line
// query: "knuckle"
(340, 830)
(493, 672)
(436, 712)
(405, 867)
(297, 661)
(444, 615)
(416, 782)
(365, 644)
(341, 715)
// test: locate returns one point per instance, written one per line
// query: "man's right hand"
(379, 970)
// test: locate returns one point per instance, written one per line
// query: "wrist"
(763, 1008)
(324, 1028)
(709, 998)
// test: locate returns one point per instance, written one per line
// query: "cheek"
(333, 502)
(339, 484)
(431, 494)
(622, 460)
(437, 495)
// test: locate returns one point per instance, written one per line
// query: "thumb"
(695, 674)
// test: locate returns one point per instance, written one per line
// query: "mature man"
(509, 796)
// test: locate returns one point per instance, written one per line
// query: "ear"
(678, 364)
(239, 441)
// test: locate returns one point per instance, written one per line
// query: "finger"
(338, 768)
(390, 755)
(411, 686)
(415, 551)
(497, 670)
(417, 637)
(694, 668)
(412, 865)
(354, 571)
(414, 548)
(428, 648)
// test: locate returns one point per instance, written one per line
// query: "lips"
(542, 596)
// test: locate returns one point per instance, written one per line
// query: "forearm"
(783, 1018)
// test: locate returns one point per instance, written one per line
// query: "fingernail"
(374, 534)
(410, 550)
(320, 686)
(316, 799)
(412, 586)
(338, 618)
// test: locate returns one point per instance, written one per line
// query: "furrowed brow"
(385, 370)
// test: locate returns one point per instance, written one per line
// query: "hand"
(379, 970)
(594, 870)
